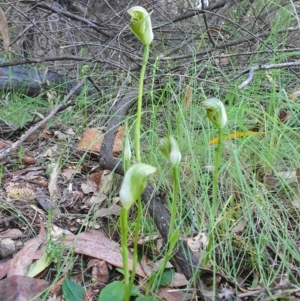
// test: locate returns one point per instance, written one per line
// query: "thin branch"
(224, 45)
(67, 14)
(251, 71)
(206, 25)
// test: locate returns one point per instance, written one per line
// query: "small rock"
(7, 247)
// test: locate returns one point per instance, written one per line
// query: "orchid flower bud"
(215, 111)
(140, 24)
(134, 183)
(170, 150)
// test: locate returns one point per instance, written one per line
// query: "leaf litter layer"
(255, 254)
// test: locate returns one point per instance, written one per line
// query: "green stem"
(216, 172)
(172, 236)
(136, 238)
(139, 106)
(175, 171)
(124, 230)
(214, 201)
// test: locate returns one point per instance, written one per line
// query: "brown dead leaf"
(100, 272)
(150, 267)
(89, 187)
(96, 244)
(52, 186)
(4, 30)
(284, 116)
(50, 151)
(4, 267)
(70, 172)
(21, 288)
(4, 145)
(178, 280)
(240, 226)
(188, 97)
(171, 295)
(56, 287)
(91, 140)
(105, 182)
(294, 95)
(95, 199)
(114, 209)
(23, 259)
(28, 160)
(11, 233)
(118, 142)
(198, 242)
(96, 177)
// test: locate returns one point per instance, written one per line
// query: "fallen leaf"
(28, 160)
(171, 295)
(69, 173)
(91, 140)
(96, 177)
(198, 243)
(39, 265)
(22, 260)
(4, 267)
(11, 233)
(56, 287)
(294, 95)
(52, 186)
(4, 145)
(240, 226)
(106, 182)
(178, 280)
(114, 209)
(96, 244)
(4, 31)
(95, 199)
(118, 142)
(188, 97)
(234, 135)
(150, 266)
(21, 288)
(99, 271)
(88, 187)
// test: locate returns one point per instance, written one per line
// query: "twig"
(222, 46)
(221, 12)
(251, 71)
(67, 14)
(65, 103)
(206, 25)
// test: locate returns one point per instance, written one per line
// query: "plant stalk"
(125, 253)
(139, 106)
(214, 200)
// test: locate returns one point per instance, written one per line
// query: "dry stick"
(221, 46)
(184, 259)
(251, 71)
(206, 26)
(33, 129)
(221, 12)
(67, 14)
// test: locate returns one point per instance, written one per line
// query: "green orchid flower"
(215, 111)
(169, 148)
(140, 24)
(134, 183)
